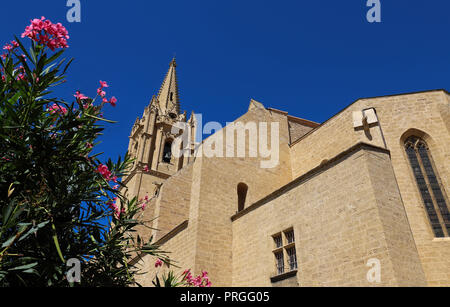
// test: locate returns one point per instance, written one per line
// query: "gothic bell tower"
(152, 140)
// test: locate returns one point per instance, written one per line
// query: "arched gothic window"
(242, 189)
(429, 185)
(167, 154)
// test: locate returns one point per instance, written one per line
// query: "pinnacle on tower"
(168, 96)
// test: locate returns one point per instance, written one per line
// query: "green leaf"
(54, 57)
(67, 66)
(24, 267)
(14, 98)
(11, 190)
(10, 240)
(7, 212)
(23, 48)
(47, 69)
(98, 118)
(33, 56)
(55, 240)
(33, 230)
(31, 271)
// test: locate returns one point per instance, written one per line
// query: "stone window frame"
(282, 244)
(429, 185)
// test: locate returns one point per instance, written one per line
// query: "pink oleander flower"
(103, 84)
(198, 281)
(113, 101)
(144, 202)
(111, 205)
(104, 171)
(118, 212)
(46, 33)
(8, 47)
(158, 263)
(57, 109)
(201, 280)
(100, 92)
(204, 274)
(87, 105)
(80, 96)
(15, 44)
(186, 273)
(21, 77)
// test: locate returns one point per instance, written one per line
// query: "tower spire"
(168, 96)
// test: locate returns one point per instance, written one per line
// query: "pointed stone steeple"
(153, 139)
(168, 96)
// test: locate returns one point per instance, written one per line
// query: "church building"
(361, 199)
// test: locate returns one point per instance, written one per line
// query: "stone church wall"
(341, 218)
(423, 114)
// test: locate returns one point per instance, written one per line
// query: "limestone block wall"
(345, 206)
(172, 203)
(340, 220)
(215, 200)
(298, 129)
(420, 114)
(332, 137)
(423, 114)
(445, 111)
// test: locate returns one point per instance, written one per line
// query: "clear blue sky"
(310, 58)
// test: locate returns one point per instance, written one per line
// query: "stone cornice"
(299, 180)
(150, 172)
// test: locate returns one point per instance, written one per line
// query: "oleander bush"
(58, 201)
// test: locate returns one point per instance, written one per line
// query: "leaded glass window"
(279, 262)
(285, 245)
(278, 241)
(430, 189)
(290, 236)
(292, 258)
